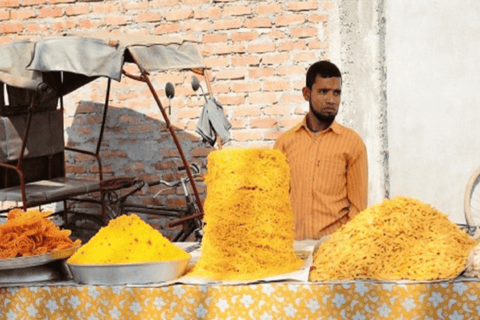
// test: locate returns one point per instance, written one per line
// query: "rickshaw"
(35, 75)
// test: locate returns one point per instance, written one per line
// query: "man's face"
(324, 98)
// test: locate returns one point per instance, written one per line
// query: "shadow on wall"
(133, 145)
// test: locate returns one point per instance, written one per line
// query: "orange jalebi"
(30, 232)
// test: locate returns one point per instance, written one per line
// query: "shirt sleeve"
(357, 182)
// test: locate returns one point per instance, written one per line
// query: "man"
(328, 161)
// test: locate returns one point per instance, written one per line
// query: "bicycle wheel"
(83, 226)
(472, 200)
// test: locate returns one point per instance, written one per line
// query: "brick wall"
(258, 52)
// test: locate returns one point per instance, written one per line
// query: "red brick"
(245, 87)
(217, 62)
(317, 18)
(10, 27)
(105, 7)
(33, 2)
(141, 128)
(268, 8)
(229, 49)
(215, 37)
(129, 6)
(291, 70)
(63, 25)
(263, 123)
(115, 20)
(46, 12)
(75, 169)
(200, 152)
(246, 111)
(179, 15)
(289, 122)
(238, 123)
(76, 10)
(197, 26)
(244, 36)
(276, 34)
(278, 110)
(113, 154)
(275, 59)
(289, 20)
(227, 24)
(231, 100)
(262, 98)
(9, 3)
(288, 98)
(258, 23)
(230, 74)
(210, 13)
(276, 85)
(304, 32)
(88, 24)
(303, 5)
(246, 135)
(22, 14)
(220, 88)
(292, 45)
(261, 47)
(134, 167)
(305, 56)
(188, 113)
(273, 135)
(245, 61)
(316, 44)
(148, 17)
(167, 28)
(60, 1)
(237, 10)
(260, 72)
(4, 15)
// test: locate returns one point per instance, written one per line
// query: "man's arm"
(357, 182)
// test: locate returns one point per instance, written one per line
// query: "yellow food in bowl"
(127, 239)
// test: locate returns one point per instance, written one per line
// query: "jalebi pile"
(249, 230)
(401, 238)
(28, 233)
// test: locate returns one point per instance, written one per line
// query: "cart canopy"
(81, 58)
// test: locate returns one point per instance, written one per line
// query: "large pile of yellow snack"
(249, 229)
(28, 233)
(401, 238)
(127, 239)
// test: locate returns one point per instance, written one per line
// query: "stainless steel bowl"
(128, 273)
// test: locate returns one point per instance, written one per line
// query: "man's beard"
(326, 118)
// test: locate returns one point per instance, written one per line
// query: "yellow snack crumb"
(127, 239)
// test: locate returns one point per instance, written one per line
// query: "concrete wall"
(433, 97)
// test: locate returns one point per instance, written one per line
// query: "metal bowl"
(128, 273)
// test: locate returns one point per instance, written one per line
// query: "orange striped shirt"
(328, 177)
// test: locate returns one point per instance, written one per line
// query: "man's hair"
(324, 69)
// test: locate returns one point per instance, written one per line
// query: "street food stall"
(398, 259)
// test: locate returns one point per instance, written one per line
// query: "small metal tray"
(128, 273)
(37, 260)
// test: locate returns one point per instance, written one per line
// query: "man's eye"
(337, 92)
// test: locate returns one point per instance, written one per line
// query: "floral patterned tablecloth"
(359, 300)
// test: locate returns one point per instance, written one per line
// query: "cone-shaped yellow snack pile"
(401, 238)
(249, 229)
(127, 239)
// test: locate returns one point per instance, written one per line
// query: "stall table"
(356, 300)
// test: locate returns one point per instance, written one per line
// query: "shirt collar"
(335, 126)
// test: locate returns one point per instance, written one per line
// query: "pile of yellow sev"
(397, 239)
(127, 239)
(249, 229)
(28, 233)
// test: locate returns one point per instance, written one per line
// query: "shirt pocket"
(330, 176)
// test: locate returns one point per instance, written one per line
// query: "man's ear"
(306, 93)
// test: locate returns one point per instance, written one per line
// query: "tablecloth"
(358, 300)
